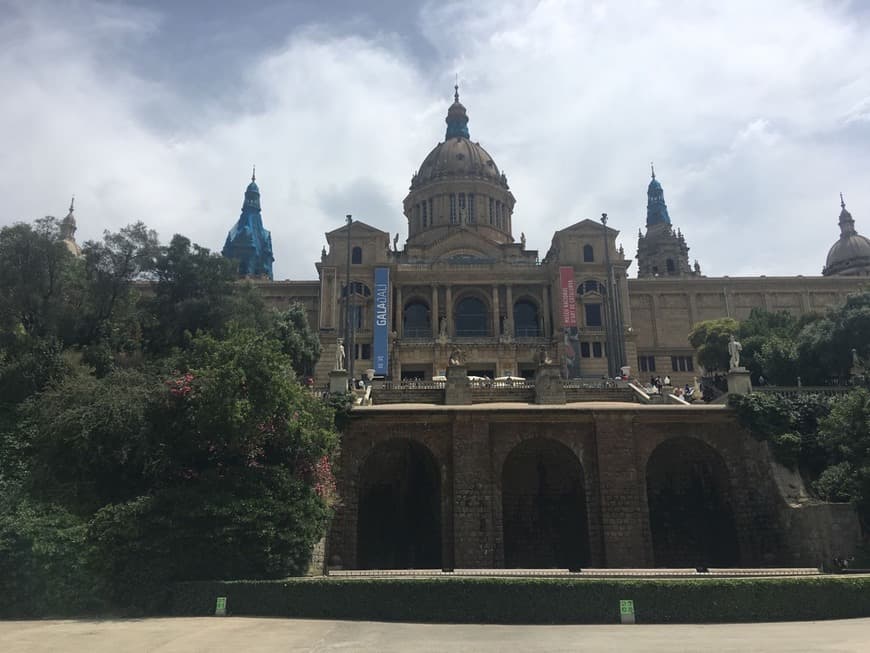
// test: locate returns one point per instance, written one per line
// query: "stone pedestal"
(739, 382)
(549, 388)
(457, 390)
(338, 382)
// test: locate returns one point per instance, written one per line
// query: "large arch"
(690, 510)
(544, 507)
(399, 516)
(471, 317)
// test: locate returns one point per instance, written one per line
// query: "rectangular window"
(463, 213)
(491, 211)
(453, 208)
(498, 214)
(431, 212)
(682, 364)
(363, 351)
(356, 316)
(425, 216)
(584, 349)
(647, 363)
(596, 349)
(472, 218)
(593, 315)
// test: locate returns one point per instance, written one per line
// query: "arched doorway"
(544, 507)
(690, 513)
(399, 517)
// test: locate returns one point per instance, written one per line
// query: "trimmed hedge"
(533, 600)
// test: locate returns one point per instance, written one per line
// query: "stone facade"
(569, 487)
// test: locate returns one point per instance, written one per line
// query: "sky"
(756, 114)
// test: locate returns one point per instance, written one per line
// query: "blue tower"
(656, 209)
(248, 242)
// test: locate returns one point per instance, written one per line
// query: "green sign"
(220, 608)
(626, 607)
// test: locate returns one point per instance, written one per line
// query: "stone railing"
(794, 391)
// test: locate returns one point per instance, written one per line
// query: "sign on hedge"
(626, 611)
(220, 608)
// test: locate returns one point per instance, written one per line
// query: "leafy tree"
(297, 339)
(824, 347)
(196, 291)
(36, 273)
(710, 340)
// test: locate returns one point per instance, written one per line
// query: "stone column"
(448, 299)
(545, 309)
(400, 312)
(473, 522)
(496, 314)
(622, 482)
(436, 324)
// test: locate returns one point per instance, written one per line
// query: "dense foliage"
(817, 349)
(535, 600)
(153, 426)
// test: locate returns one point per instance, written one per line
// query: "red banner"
(567, 287)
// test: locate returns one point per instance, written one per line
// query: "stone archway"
(690, 510)
(544, 507)
(399, 517)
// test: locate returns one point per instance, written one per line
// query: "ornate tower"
(850, 255)
(661, 251)
(248, 242)
(68, 231)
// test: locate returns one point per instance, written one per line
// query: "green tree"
(37, 273)
(824, 347)
(710, 340)
(297, 339)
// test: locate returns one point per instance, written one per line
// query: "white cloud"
(755, 114)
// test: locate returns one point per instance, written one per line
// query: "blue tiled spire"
(656, 209)
(457, 118)
(248, 242)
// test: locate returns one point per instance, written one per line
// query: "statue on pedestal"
(544, 356)
(339, 354)
(455, 357)
(734, 349)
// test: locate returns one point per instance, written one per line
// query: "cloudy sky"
(757, 114)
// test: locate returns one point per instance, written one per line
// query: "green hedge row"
(534, 600)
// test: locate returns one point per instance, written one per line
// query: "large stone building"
(464, 279)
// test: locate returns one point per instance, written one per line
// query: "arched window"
(415, 320)
(588, 254)
(471, 318)
(526, 319)
(356, 255)
(360, 296)
(671, 266)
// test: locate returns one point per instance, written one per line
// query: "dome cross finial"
(254, 173)
(842, 201)
(652, 169)
(72, 203)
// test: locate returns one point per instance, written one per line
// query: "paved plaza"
(250, 635)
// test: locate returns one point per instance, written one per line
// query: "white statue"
(734, 349)
(442, 327)
(339, 354)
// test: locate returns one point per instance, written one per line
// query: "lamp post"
(610, 318)
(350, 354)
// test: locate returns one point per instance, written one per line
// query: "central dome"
(458, 187)
(458, 157)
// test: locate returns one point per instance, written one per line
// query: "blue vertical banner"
(381, 328)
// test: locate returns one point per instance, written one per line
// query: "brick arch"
(691, 504)
(399, 506)
(544, 511)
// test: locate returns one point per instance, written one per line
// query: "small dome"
(847, 252)
(253, 188)
(851, 253)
